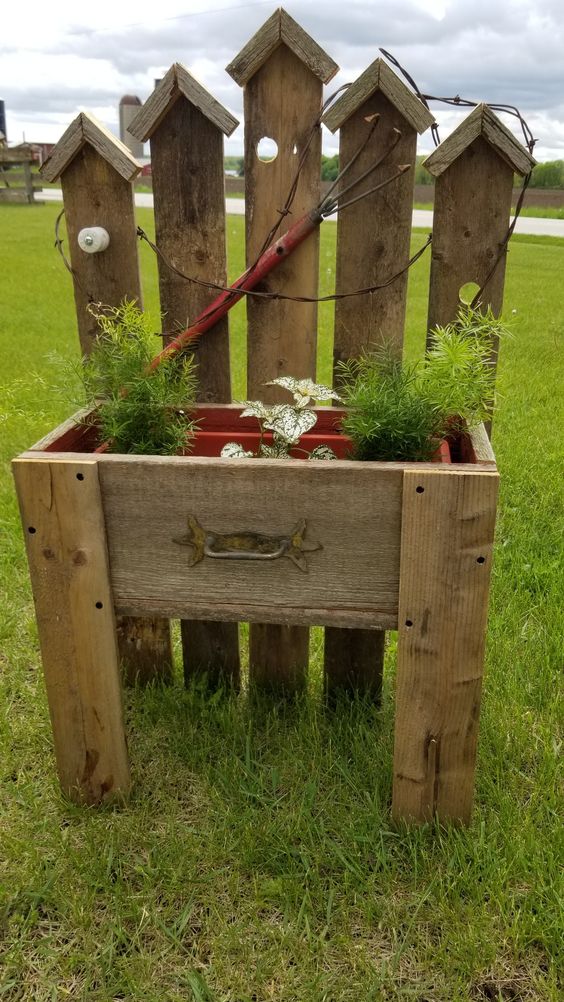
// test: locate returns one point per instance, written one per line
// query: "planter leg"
(64, 528)
(448, 522)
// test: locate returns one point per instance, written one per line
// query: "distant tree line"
(545, 175)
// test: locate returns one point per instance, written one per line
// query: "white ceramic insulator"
(93, 239)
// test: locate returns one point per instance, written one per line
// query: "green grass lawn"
(256, 860)
(533, 211)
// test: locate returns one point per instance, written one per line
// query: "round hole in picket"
(80, 476)
(409, 622)
(419, 490)
(31, 529)
(468, 292)
(267, 150)
(99, 605)
(480, 560)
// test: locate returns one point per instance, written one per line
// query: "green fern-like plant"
(138, 411)
(401, 412)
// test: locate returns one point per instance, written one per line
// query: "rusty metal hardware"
(247, 545)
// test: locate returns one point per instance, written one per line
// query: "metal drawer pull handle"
(246, 545)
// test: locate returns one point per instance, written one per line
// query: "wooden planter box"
(403, 546)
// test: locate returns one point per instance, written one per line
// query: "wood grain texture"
(470, 221)
(96, 195)
(189, 197)
(280, 29)
(373, 241)
(178, 82)
(87, 129)
(379, 77)
(65, 536)
(188, 189)
(357, 568)
(373, 236)
(353, 662)
(282, 336)
(446, 553)
(481, 122)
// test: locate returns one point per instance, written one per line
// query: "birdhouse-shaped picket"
(186, 126)
(374, 235)
(473, 170)
(96, 171)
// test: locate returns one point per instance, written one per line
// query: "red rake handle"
(268, 261)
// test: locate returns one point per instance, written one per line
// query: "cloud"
(508, 51)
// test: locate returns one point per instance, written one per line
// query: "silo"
(128, 108)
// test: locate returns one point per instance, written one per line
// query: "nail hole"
(80, 476)
(267, 150)
(420, 489)
(409, 622)
(99, 605)
(280, 250)
(31, 529)
(480, 560)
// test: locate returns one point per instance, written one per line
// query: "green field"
(256, 860)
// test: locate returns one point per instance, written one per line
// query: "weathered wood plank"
(282, 335)
(177, 83)
(281, 29)
(96, 195)
(353, 662)
(65, 537)
(87, 129)
(481, 122)
(446, 553)
(190, 229)
(379, 76)
(470, 221)
(373, 241)
(357, 566)
(373, 236)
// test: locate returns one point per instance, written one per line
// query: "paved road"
(421, 217)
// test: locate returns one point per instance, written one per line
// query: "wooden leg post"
(448, 523)
(63, 523)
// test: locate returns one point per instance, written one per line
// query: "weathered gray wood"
(86, 129)
(64, 531)
(373, 236)
(281, 29)
(190, 230)
(352, 509)
(446, 552)
(95, 194)
(379, 77)
(282, 335)
(176, 83)
(373, 242)
(481, 122)
(353, 662)
(470, 221)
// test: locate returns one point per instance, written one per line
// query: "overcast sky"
(58, 58)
